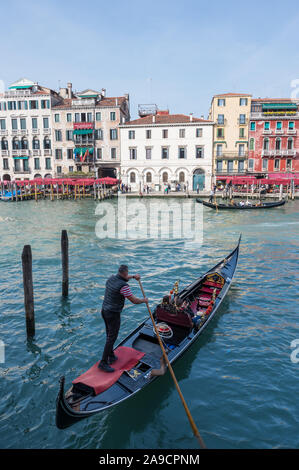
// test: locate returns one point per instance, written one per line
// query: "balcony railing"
(279, 153)
(20, 152)
(36, 152)
(78, 161)
(267, 131)
(47, 152)
(4, 153)
(232, 155)
(17, 93)
(273, 115)
(279, 131)
(47, 131)
(25, 172)
(35, 131)
(231, 172)
(3, 132)
(242, 122)
(292, 131)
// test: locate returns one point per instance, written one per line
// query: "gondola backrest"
(179, 318)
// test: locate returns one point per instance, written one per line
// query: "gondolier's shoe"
(112, 358)
(105, 367)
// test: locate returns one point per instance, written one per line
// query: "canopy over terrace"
(70, 181)
(278, 178)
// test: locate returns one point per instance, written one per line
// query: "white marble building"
(166, 148)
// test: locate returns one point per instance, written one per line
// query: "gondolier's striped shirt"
(126, 291)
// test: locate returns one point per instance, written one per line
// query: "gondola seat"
(179, 318)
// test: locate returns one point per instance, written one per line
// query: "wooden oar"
(192, 423)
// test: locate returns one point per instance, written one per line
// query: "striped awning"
(82, 131)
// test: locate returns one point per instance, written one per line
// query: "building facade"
(44, 133)
(163, 148)
(230, 112)
(273, 136)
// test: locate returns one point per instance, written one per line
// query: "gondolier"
(117, 290)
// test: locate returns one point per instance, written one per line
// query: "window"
(69, 117)
(46, 123)
(230, 166)
(279, 125)
(164, 133)
(220, 132)
(278, 144)
(113, 152)
(35, 143)
(243, 101)
(265, 164)
(34, 123)
(182, 152)
(252, 126)
(113, 134)
(77, 117)
(69, 135)
(14, 123)
(47, 143)
(36, 164)
(132, 177)
(5, 164)
(58, 135)
(276, 164)
(58, 154)
(164, 152)
(69, 153)
(112, 116)
(220, 119)
(23, 123)
(241, 149)
(11, 105)
(242, 132)
(148, 134)
(267, 126)
(89, 117)
(71, 169)
(219, 165)
(4, 144)
(22, 105)
(133, 153)
(182, 133)
(99, 153)
(56, 117)
(290, 144)
(98, 134)
(131, 134)
(251, 144)
(148, 177)
(2, 124)
(199, 152)
(250, 163)
(198, 132)
(33, 104)
(24, 144)
(165, 177)
(58, 169)
(15, 143)
(2, 106)
(242, 119)
(221, 102)
(219, 150)
(148, 153)
(266, 144)
(240, 166)
(17, 165)
(289, 164)
(181, 177)
(291, 125)
(45, 104)
(48, 163)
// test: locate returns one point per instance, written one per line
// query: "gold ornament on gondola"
(176, 287)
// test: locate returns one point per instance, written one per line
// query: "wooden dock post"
(65, 263)
(28, 290)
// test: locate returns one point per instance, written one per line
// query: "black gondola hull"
(264, 205)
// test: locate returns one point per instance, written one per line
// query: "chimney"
(104, 92)
(154, 118)
(191, 117)
(126, 95)
(69, 90)
(202, 116)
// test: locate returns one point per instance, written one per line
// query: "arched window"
(290, 143)
(148, 177)
(47, 143)
(35, 143)
(4, 144)
(165, 177)
(24, 143)
(251, 144)
(181, 177)
(266, 144)
(132, 177)
(278, 144)
(15, 143)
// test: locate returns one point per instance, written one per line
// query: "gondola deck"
(78, 403)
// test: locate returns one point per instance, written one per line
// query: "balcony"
(35, 131)
(279, 153)
(22, 172)
(17, 93)
(47, 131)
(279, 131)
(221, 122)
(47, 152)
(231, 172)
(36, 152)
(20, 152)
(3, 132)
(4, 153)
(232, 155)
(83, 142)
(242, 122)
(291, 131)
(83, 102)
(267, 131)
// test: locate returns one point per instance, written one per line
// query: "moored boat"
(238, 206)
(139, 353)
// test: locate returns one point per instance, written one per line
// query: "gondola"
(203, 297)
(237, 206)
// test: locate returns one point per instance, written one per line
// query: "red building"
(274, 137)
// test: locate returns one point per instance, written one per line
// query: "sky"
(176, 54)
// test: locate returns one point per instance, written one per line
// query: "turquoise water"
(238, 379)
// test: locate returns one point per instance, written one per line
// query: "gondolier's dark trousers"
(112, 323)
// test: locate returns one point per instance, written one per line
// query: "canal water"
(238, 379)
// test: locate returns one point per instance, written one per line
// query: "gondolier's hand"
(145, 300)
(136, 276)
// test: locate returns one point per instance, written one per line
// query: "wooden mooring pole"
(28, 290)
(65, 263)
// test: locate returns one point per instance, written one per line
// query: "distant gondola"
(237, 206)
(204, 296)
